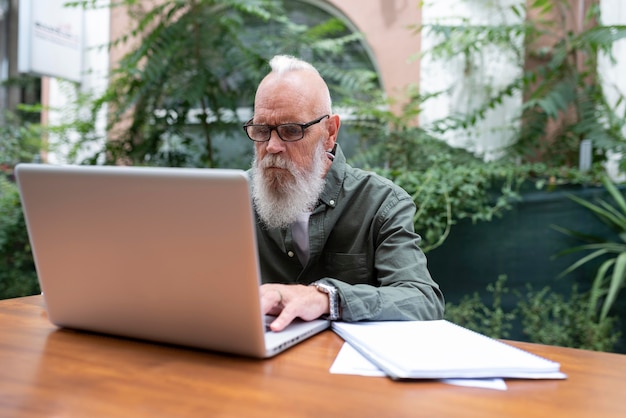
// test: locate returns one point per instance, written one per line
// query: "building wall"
(612, 74)
(386, 26)
(58, 95)
(614, 13)
(461, 83)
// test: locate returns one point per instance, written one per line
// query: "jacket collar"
(334, 179)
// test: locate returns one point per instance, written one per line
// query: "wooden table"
(51, 372)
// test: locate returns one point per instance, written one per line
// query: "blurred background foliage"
(180, 97)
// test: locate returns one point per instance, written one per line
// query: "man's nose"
(275, 144)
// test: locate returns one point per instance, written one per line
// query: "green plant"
(447, 184)
(472, 313)
(187, 84)
(550, 318)
(20, 140)
(557, 54)
(447, 192)
(611, 274)
(17, 269)
(546, 317)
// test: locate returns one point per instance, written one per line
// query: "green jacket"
(362, 240)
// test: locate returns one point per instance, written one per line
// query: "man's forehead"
(282, 109)
(305, 83)
(287, 97)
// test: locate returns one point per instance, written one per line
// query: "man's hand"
(290, 301)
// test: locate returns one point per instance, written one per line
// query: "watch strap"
(333, 298)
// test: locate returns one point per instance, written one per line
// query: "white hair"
(285, 63)
(281, 64)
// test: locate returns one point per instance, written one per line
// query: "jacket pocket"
(349, 268)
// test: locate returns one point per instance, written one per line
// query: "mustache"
(277, 162)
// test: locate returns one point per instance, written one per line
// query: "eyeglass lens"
(287, 132)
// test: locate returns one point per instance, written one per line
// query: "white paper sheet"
(350, 361)
(441, 350)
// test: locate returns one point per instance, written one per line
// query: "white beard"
(279, 199)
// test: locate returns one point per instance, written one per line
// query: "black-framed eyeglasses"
(288, 132)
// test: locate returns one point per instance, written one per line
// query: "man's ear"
(334, 122)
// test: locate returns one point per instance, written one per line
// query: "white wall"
(94, 81)
(613, 12)
(466, 84)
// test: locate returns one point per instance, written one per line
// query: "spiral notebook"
(441, 349)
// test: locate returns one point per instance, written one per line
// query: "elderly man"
(333, 240)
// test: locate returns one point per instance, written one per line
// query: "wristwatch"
(333, 298)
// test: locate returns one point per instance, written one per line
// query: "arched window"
(356, 56)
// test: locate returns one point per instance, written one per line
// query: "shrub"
(546, 318)
(549, 318)
(17, 268)
(491, 320)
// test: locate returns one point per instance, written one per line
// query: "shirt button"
(332, 203)
(290, 254)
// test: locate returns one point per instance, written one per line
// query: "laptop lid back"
(161, 254)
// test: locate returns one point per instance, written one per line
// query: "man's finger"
(285, 318)
(271, 300)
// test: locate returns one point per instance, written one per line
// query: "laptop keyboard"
(268, 320)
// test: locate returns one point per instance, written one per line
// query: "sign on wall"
(50, 39)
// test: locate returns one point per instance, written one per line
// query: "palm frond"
(583, 260)
(598, 286)
(616, 283)
(611, 275)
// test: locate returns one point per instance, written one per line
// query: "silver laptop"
(160, 254)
